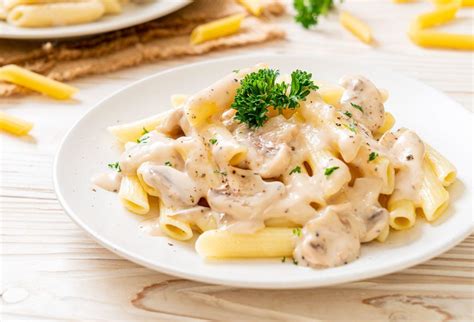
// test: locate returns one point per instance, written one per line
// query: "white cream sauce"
(180, 162)
(107, 181)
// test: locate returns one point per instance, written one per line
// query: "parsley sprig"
(115, 166)
(308, 11)
(329, 171)
(259, 90)
(296, 169)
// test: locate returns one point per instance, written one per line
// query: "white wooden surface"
(53, 270)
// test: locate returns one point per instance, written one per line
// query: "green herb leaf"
(220, 172)
(350, 127)
(143, 139)
(357, 107)
(308, 11)
(296, 169)
(213, 141)
(297, 231)
(372, 156)
(348, 114)
(283, 259)
(169, 164)
(115, 166)
(329, 171)
(259, 90)
(145, 131)
(295, 261)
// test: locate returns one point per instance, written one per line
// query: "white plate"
(88, 148)
(133, 14)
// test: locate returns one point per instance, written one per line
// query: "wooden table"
(53, 270)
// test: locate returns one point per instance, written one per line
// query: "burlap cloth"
(167, 37)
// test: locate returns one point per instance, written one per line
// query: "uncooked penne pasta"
(217, 29)
(356, 27)
(14, 125)
(23, 77)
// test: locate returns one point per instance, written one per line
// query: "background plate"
(133, 14)
(88, 148)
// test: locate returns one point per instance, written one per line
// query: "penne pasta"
(224, 147)
(178, 100)
(268, 242)
(56, 14)
(402, 214)
(427, 38)
(14, 125)
(437, 17)
(23, 77)
(383, 234)
(132, 195)
(173, 227)
(112, 6)
(216, 29)
(130, 132)
(444, 170)
(434, 197)
(356, 27)
(253, 6)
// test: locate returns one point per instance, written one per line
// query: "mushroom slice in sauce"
(330, 239)
(176, 187)
(360, 92)
(244, 196)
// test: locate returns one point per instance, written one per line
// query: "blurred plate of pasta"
(53, 19)
(149, 232)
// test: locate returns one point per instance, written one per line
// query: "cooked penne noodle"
(268, 242)
(23, 77)
(356, 27)
(445, 170)
(224, 147)
(402, 214)
(56, 14)
(152, 191)
(174, 227)
(14, 125)
(280, 222)
(178, 100)
(130, 132)
(388, 123)
(379, 167)
(216, 29)
(384, 234)
(434, 197)
(132, 195)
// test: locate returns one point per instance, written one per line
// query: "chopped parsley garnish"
(169, 164)
(295, 261)
(372, 156)
(213, 141)
(296, 169)
(115, 166)
(348, 114)
(329, 171)
(350, 127)
(297, 231)
(143, 139)
(145, 131)
(308, 11)
(259, 90)
(283, 259)
(357, 107)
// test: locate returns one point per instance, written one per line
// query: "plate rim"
(30, 34)
(189, 274)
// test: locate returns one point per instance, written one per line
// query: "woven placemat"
(163, 38)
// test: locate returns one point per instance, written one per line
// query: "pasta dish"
(261, 164)
(50, 13)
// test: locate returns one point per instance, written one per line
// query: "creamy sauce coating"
(282, 170)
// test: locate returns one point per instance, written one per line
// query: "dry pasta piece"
(437, 17)
(23, 77)
(357, 27)
(217, 29)
(253, 6)
(427, 38)
(14, 125)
